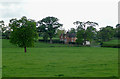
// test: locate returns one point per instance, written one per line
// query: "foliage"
(106, 33)
(49, 26)
(80, 37)
(72, 30)
(90, 33)
(112, 43)
(59, 32)
(7, 34)
(86, 31)
(23, 32)
(117, 31)
(2, 29)
(45, 36)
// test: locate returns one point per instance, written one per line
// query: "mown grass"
(42, 61)
(49, 38)
(44, 44)
(112, 43)
(7, 44)
(0, 58)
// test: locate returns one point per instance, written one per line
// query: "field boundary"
(60, 78)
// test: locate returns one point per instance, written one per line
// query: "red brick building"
(68, 37)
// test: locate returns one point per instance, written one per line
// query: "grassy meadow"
(0, 58)
(58, 60)
(111, 43)
(115, 41)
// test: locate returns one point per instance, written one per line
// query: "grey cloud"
(11, 9)
(10, 14)
(10, 3)
(13, 0)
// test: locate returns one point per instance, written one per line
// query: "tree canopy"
(85, 31)
(106, 33)
(2, 29)
(23, 32)
(48, 26)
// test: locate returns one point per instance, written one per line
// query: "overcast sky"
(104, 12)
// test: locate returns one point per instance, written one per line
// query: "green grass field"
(54, 38)
(0, 58)
(53, 60)
(112, 42)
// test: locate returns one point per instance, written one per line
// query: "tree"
(80, 25)
(59, 32)
(106, 33)
(90, 33)
(7, 34)
(23, 32)
(1, 28)
(80, 37)
(49, 25)
(72, 30)
(4, 30)
(42, 33)
(87, 30)
(117, 31)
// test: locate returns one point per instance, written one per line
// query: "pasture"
(0, 58)
(58, 60)
(112, 43)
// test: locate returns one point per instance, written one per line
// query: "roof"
(70, 35)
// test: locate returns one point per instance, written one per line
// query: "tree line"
(23, 32)
(86, 31)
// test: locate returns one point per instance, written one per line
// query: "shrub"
(54, 41)
(110, 45)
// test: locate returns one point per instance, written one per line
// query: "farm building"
(68, 37)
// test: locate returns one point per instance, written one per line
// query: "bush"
(72, 42)
(110, 45)
(54, 41)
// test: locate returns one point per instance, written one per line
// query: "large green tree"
(49, 26)
(23, 32)
(80, 37)
(117, 31)
(59, 32)
(2, 26)
(106, 33)
(4, 30)
(72, 30)
(91, 33)
(85, 31)
(7, 33)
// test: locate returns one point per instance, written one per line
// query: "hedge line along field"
(42, 61)
(112, 43)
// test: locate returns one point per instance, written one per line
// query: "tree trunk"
(25, 49)
(51, 40)
(84, 43)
